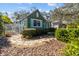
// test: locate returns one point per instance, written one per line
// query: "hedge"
(67, 34)
(62, 34)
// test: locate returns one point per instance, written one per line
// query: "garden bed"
(44, 47)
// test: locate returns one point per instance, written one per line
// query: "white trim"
(33, 22)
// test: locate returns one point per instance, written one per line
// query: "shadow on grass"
(4, 42)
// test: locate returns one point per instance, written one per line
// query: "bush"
(72, 49)
(40, 32)
(62, 34)
(67, 34)
(29, 33)
(73, 33)
(71, 36)
(37, 32)
(72, 25)
(52, 30)
(1, 29)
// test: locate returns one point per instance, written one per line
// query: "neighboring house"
(57, 23)
(33, 21)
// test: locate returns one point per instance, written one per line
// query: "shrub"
(37, 32)
(40, 32)
(72, 25)
(62, 34)
(71, 36)
(1, 29)
(52, 30)
(73, 33)
(72, 49)
(67, 34)
(45, 31)
(28, 33)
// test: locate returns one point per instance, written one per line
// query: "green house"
(33, 21)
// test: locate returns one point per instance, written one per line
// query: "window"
(36, 23)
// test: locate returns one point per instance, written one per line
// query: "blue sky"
(11, 7)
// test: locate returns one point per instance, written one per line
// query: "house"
(58, 23)
(33, 21)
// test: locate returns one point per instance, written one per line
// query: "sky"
(12, 7)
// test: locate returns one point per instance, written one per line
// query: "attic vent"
(37, 14)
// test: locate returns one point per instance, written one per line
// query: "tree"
(3, 20)
(6, 19)
(70, 11)
(1, 24)
(22, 14)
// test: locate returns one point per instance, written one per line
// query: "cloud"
(47, 11)
(52, 4)
(40, 9)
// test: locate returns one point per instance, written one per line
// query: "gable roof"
(33, 13)
(36, 12)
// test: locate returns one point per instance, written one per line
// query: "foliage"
(62, 34)
(37, 32)
(67, 12)
(72, 25)
(52, 31)
(6, 19)
(22, 14)
(67, 35)
(28, 33)
(1, 28)
(72, 49)
(71, 37)
(73, 33)
(46, 31)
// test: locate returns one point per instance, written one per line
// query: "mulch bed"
(51, 48)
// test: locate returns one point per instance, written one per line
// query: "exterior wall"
(23, 24)
(39, 17)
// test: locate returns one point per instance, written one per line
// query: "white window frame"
(32, 23)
